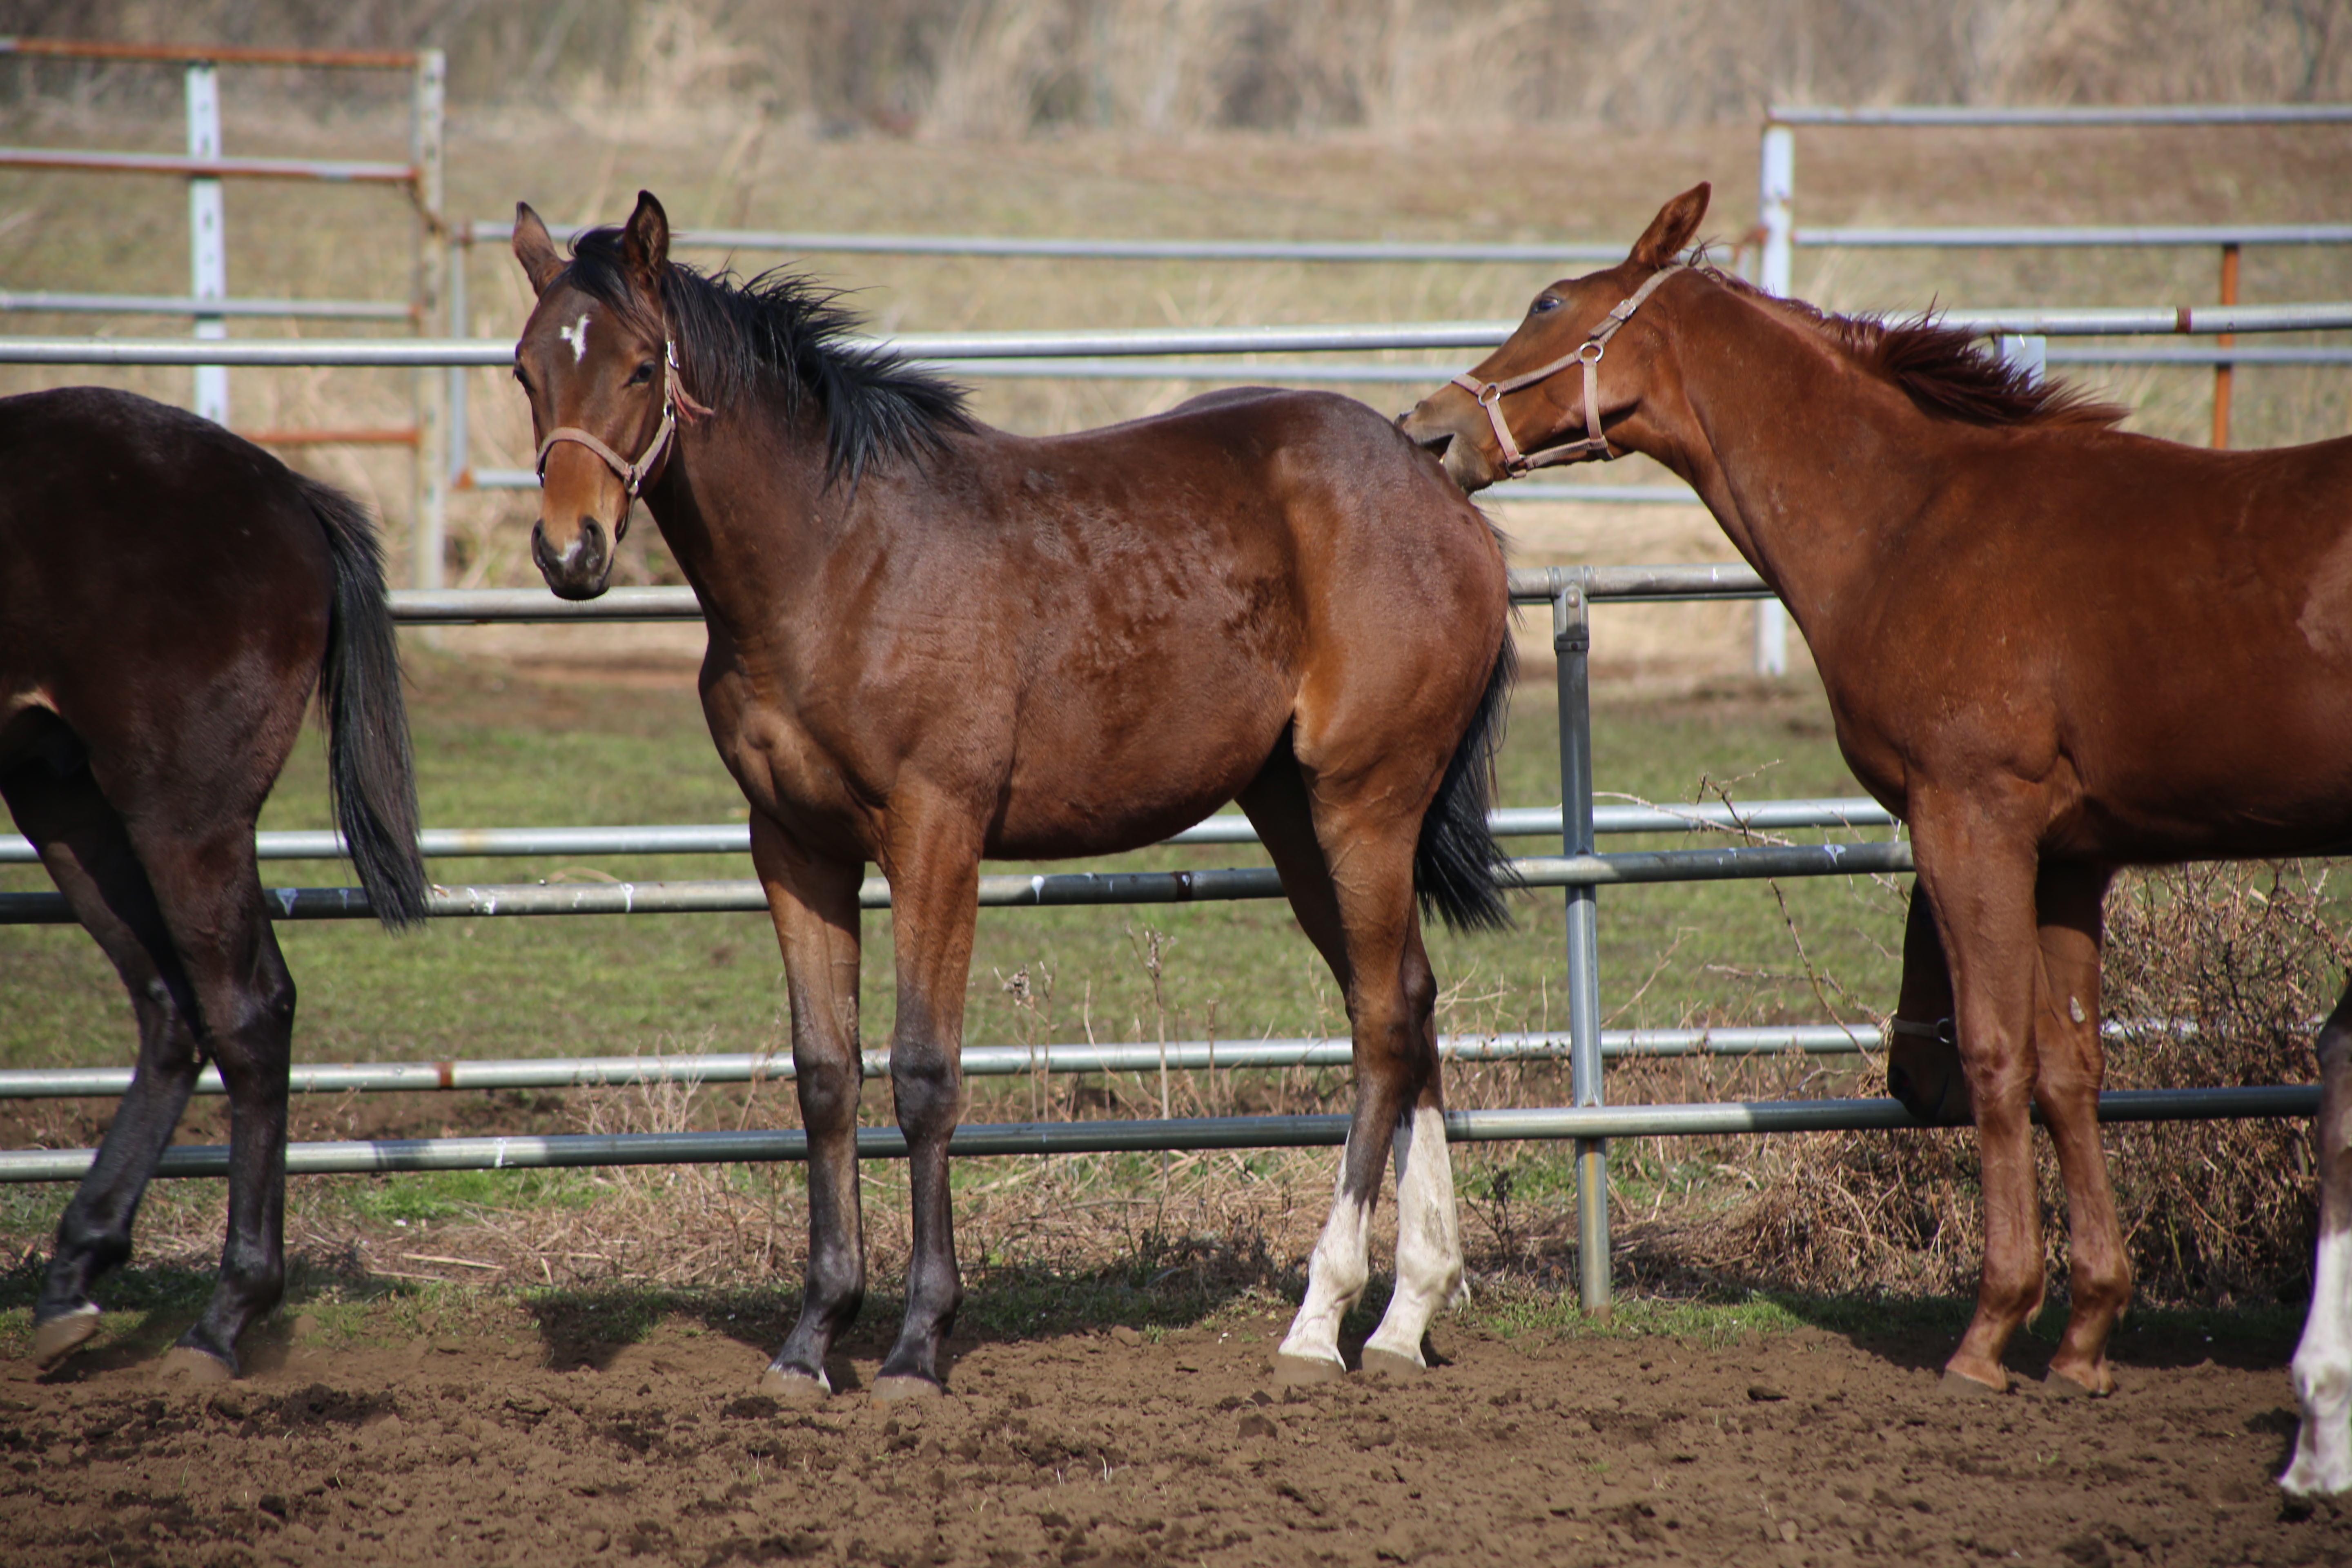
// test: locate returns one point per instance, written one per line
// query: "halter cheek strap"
(1588, 354)
(632, 475)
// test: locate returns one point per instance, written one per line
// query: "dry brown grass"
(2244, 959)
(1014, 68)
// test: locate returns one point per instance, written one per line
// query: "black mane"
(783, 333)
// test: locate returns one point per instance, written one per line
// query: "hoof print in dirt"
(1392, 1364)
(1298, 1371)
(184, 1361)
(60, 1337)
(890, 1390)
(1955, 1387)
(794, 1387)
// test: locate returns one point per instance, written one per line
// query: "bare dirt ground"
(513, 1443)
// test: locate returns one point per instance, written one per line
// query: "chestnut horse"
(169, 595)
(932, 642)
(2051, 647)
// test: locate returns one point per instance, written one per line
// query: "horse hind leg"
(1429, 1277)
(1365, 931)
(83, 844)
(2322, 1361)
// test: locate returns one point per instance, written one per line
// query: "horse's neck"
(1805, 461)
(745, 517)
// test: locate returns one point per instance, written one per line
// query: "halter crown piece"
(1588, 354)
(674, 403)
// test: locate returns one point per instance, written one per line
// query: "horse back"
(156, 574)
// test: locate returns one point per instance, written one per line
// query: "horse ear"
(534, 249)
(1670, 232)
(644, 244)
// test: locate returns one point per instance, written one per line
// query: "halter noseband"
(1588, 354)
(632, 475)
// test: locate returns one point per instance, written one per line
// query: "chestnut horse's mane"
(1946, 372)
(782, 331)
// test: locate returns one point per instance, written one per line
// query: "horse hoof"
(2058, 1385)
(1960, 1385)
(198, 1366)
(60, 1337)
(1393, 1363)
(791, 1387)
(1301, 1370)
(890, 1390)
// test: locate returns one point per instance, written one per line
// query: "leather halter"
(1490, 393)
(674, 402)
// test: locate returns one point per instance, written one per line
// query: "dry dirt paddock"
(499, 1446)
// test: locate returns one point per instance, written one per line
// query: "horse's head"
(1516, 409)
(602, 376)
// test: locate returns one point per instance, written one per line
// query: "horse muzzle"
(1927, 1077)
(583, 569)
(1430, 427)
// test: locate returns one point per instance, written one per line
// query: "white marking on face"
(576, 334)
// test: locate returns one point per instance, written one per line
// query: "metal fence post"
(2028, 353)
(1776, 180)
(1572, 641)
(207, 246)
(429, 481)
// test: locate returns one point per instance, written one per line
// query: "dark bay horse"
(169, 595)
(2053, 648)
(932, 642)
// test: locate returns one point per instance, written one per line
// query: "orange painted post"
(2221, 372)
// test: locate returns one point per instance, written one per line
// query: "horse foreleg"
(1982, 891)
(2069, 1067)
(814, 903)
(1429, 1236)
(934, 900)
(88, 855)
(2322, 1361)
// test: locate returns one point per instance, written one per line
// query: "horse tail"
(1458, 869)
(371, 773)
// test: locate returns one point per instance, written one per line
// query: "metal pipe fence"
(1584, 1125)
(1226, 827)
(979, 1061)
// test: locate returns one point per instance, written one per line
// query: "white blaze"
(576, 334)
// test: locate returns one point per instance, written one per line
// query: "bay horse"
(932, 641)
(170, 597)
(2051, 647)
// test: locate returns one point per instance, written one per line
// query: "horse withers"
(931, 642)
(2054, 649)
(170, 597)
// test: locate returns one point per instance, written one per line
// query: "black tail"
(1458, 869)
(370, 772)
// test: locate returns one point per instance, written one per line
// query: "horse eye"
(1543, 303)
(644, 374)
(523, 379)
